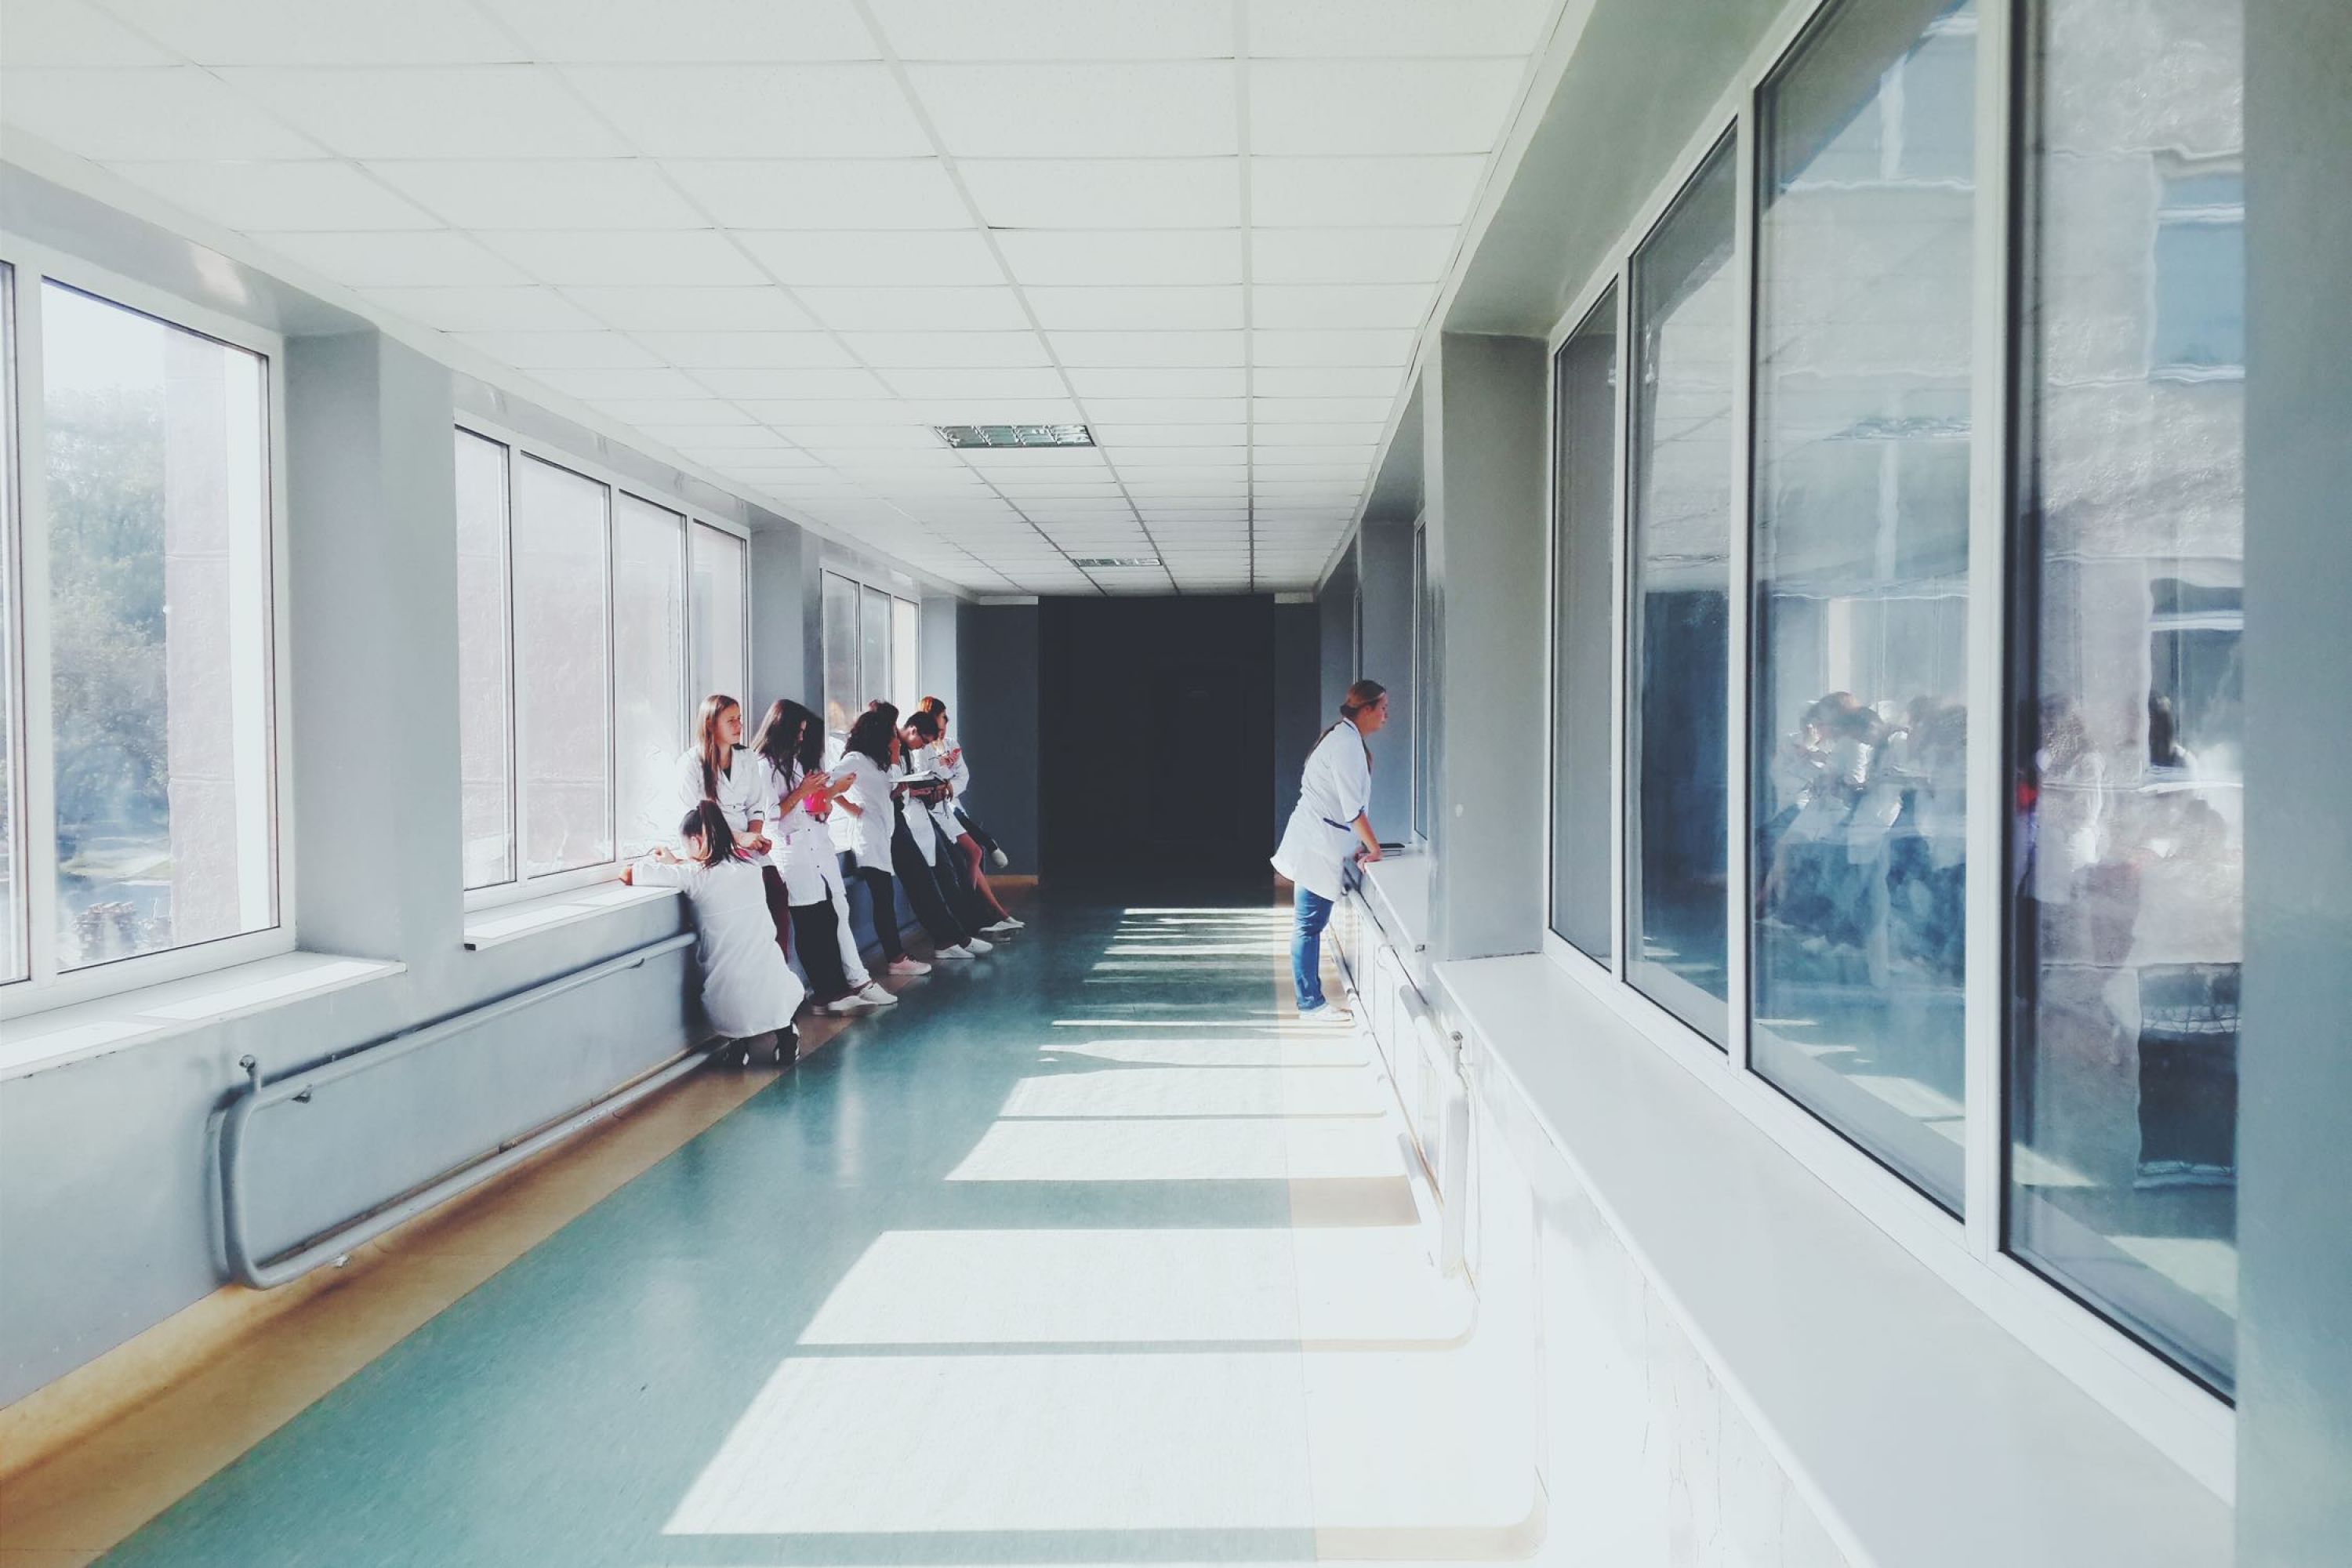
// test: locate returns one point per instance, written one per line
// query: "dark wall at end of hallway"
(996, 661)
(1297, 700)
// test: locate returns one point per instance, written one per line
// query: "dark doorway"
(1157, 734)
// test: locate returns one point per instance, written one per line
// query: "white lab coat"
(867, 836)
(921, 829)
(740, 788)
(958, 775)
(1334, 789)
(748, 989)
(801, 846)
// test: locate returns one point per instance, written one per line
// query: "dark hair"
(871, 735)
(715, 760)
(888, 709)
(927, 725)
(789, 735)
(708, 823)
(933, 706)
(1363, 694)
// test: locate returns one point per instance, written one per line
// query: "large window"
(1584, 590)
(872, 643)
(589, 619)
(138, 802)
(1424, 684)
(1686, 358)
(1858, 754)
(2128, 851)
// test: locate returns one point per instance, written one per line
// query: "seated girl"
(748, 989)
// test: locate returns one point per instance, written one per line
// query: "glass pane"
(1424, 678)
(14, 949)
(873, 648)
(1859, 752)
(906, 654)
(2128, 847)
(1584, 592)
(1686, 358)
(484, 683)
(159, 630)
(718, 651)
(561, 660)
(841, 700)
(649, 684)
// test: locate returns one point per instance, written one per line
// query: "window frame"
(2162, 1401)
(44, 985)
(864, 584)
(522, 885)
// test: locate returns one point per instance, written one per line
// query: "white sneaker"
(909, 966)
(875, 996)
(1005, 927)
(1329, 1013)
(855, 1001)
(999, 859)
(958, 951)
(980, 945)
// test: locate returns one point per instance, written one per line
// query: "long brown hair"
(790, 738)
(872, 734)
(716, 760)
(706, 823)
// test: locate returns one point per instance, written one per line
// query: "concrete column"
(1384, 549)
(1335, 608)
(1482, 442)
(940, 665)
(998, 720)
(2295, 1197)
(779, 617)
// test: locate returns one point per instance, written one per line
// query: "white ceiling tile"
(1434, 191)
(314, 194)
(1280, 307)
(1351, 255)
(173, 112)
(1320, 410)
(865, 411)
(946, 350)
(1356, 107)
(455, 111)
(541, 193)
(564, 351)
(698, 439)
(1401, 29)
(600, 384)
(1157, 110)
(1326, 381)
(997, 410)
(1118, 436)
(1125, 411)
(915, 310)
(699, 350)
(1059, 29)
(626, 257)
(1122, 351)
(778, 382)
(1137, 309)
(675, 412)
(424, 258)
(319, 31)
(1357, 451)
(1105, 192)
(877, 258)
(1084, 257)
(1161, 381)
(485, 310)
(736, 30)
(822, 438)
(764, 308)
(70, 33)
(1383, 348)
(825, 193)
(1366, 432)
(1031, 381)
(1168, 456)
(754, 111)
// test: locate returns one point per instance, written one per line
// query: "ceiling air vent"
(1114, 561)
(1015, 435)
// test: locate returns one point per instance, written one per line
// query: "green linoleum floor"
(1008, 1273)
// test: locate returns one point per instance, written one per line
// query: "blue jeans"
(1314, 912)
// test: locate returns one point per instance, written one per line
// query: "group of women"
(776, 833)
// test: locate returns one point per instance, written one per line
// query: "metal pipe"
(263, 1275)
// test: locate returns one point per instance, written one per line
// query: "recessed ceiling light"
(1114, 561)
(1015, 435)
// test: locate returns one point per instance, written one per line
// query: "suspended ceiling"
(784, 238)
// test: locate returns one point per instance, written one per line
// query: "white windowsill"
(528, 917)
(1923, 1430)
(1397, 890)
(87, 1029)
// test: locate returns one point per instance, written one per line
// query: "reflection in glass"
(874, 647)
(1686, 354)
(15, 954)
(841, 703)
(1584, 414)
(484, 766)
(718, 651)
(562, 667)
(2127, 848)
(1859, 752)
(158, 632)
(649, 697)
(906, 643)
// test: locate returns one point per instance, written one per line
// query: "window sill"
(1396, 889)
(503, 923)
(1927, 1431)
(86, 1029)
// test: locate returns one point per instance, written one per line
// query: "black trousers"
(881, 905)
(924, 891)
(817, 935)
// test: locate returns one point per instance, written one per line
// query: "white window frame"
(864, 584)
(2165, 1405)
(523, 886)
(742, 608)
(44, 985)
(1421, 819)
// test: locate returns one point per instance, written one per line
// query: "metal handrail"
(263, 1274)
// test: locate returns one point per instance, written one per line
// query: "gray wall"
(998, 715)
(2295, 1214)
(1335, 609)
(1385, 553)
(1297, 677)
(787, 655)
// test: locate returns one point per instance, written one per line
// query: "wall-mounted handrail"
(258, 1095)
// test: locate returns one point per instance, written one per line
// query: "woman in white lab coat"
(863, 818)
(716, 768)
(790, 747)
(928, 853)
(1329, 832)
(956, 826)
(748, 989)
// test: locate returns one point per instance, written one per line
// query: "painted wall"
(1384, 553)
(1297, 676)
(996, 653)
